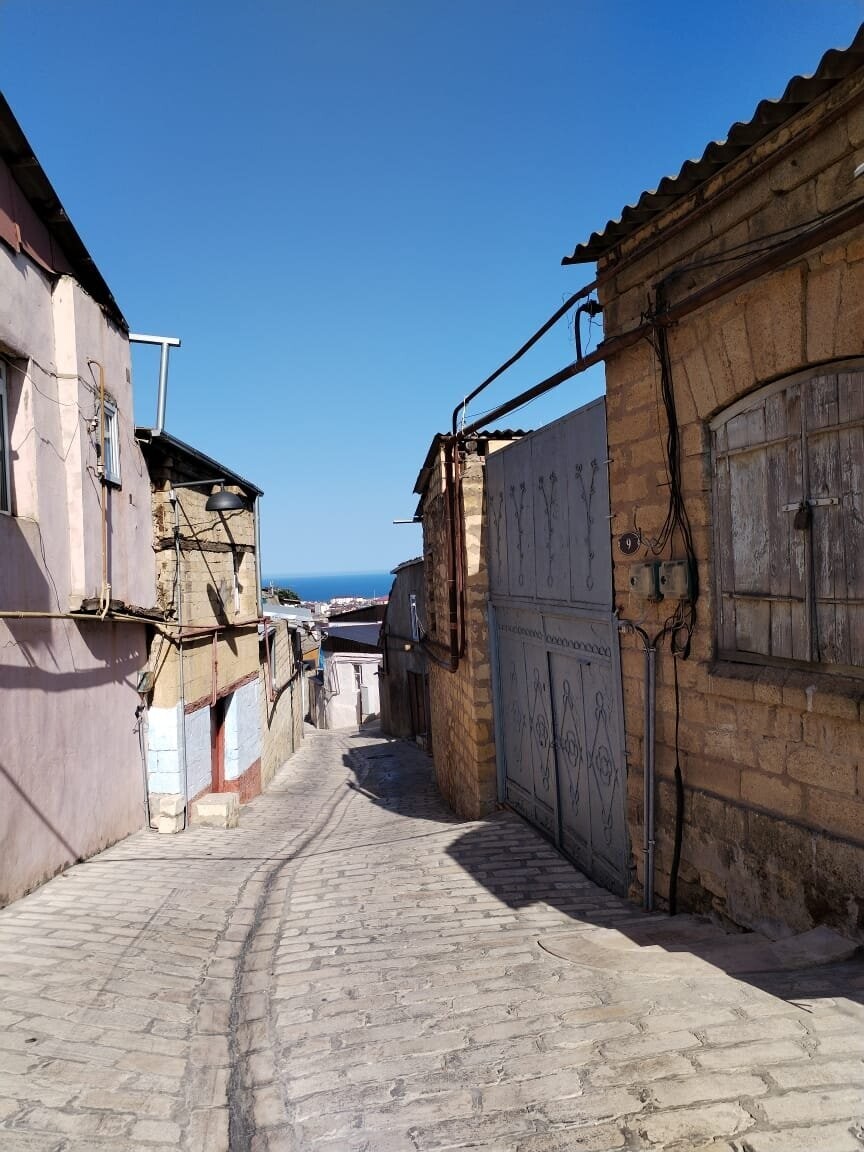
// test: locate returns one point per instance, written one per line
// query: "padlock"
(803, 517)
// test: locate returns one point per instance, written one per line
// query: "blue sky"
(351, 212)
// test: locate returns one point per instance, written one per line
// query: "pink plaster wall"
(70, 766)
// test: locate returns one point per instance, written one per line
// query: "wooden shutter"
(792, 593)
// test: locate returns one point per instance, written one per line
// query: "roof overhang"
(162, 445)
(836, 66)
(35, 186)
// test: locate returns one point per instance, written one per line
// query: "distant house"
(345, 691)
(77, 567)
(404, 678)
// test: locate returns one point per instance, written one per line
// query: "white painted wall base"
(242, 744)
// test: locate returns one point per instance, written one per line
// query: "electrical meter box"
(644, 581)
(675, 579)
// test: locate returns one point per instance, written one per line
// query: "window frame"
(805, 437)
(5, 444)
(111, 458)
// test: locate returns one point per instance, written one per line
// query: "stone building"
(456, 641)
(752, 263)
(344, 693)
(281, 692)
(404, 677)
(204, 715)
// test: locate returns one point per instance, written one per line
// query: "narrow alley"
(354, 970)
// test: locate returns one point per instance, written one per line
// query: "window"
(789, 521)
(358, 676)
(111, 444)
(5, 487)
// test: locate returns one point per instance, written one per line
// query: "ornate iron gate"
(558, 692)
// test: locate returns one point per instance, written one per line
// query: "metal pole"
(650, 678)
(166, 343)
(259, 601)
(182, 722)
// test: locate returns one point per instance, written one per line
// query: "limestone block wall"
(281, 720)
(772, 757)
(463, 743)
(218, 577)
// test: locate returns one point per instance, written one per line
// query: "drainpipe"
(649, 647)
(450, 465)
(259, 594)
(181, 743)
(105, 591)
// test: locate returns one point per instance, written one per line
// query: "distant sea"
(327, 585)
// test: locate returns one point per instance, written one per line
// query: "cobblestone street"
(354, 969)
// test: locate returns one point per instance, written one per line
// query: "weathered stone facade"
(217, 746)
(772, 756)
(463, 740)
(404, 674)
(281, 698)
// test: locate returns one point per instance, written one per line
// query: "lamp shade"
(223, 501)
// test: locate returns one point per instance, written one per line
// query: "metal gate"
(558, 712)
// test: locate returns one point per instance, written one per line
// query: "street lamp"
(220, 501)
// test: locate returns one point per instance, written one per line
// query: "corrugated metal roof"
(406, 564)
(160, 444)
(835, 66)
(435, 446)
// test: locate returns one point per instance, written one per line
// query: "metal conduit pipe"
(553, 320)
(650, 783)
(259, 594)
(101, 472)
(804, 242)
(649, 647)
(181, 744)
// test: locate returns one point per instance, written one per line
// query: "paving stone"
(759, 1055)
(818, 1073)
(822, 1104)
(719, 1086)
(153, 1131)
(599, 1138)
(705, 1123)
(830, 1137)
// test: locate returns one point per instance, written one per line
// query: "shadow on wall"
(52, 664)
(27, 583)
(8, 781)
